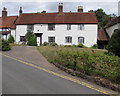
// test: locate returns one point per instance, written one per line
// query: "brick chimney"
(60, 8)
(4, 13)
(20, 11)
(80, 9)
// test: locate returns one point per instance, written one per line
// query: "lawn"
(87, 60)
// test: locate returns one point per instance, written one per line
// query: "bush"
(11, 39)
(5, 45)
(114, 43)
(31, 38)
(45, 44)
(95, 46)
(81, 46)
(53, 44)
(32, 41)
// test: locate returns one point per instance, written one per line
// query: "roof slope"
(9, 22)
(36, 18)
(113, 21)
(102, 35)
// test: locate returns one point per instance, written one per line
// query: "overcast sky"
(110, 6)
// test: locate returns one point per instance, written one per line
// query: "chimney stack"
(60, 8)
(20, 11)
(80, 9)
(4, 13)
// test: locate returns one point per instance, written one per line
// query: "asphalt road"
(19, 78)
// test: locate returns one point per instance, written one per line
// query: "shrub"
(114, 43)
(5, 45)
(53, 44)
(81, 46)
(95, 46)
(11, 39)
(45, 44)
(32, 41)
(31, 38)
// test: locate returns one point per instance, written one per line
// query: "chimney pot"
(20, 11)
(4, 13)
(60, 8)
(80, 9)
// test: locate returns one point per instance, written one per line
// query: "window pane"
(68, 26)
(51, 26)
(30, 27)
(22, 38)
(51, 39)
(80, 39)
(68, 39)
(81, 27)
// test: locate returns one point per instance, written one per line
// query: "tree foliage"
(114, 43)
(31, 38)
(102, 18)
(4, 45)
(11, 39)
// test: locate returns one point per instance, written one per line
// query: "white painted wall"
(21, 30)
(89, 33)
(13, 33)
(110, 30)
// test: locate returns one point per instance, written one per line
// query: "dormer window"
(30, 27)
(51, 27)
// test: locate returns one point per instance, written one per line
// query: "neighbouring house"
(7, 25)
(63, 28)
(112, 26)
(102, 38)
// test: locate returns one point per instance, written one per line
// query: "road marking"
(60, 75)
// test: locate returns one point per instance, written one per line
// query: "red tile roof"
(102, 35)
(36, 18)
(9, 22)
(113, 21)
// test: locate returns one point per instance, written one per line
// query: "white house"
(7, 24)
(113, 25)
(63, 28)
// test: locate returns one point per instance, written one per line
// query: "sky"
(34, 6)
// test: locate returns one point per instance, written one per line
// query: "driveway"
(31, 55)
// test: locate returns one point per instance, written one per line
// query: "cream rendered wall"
(89, 33)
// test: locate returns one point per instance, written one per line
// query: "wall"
(110, 30)
(21, 30)
(90, 33)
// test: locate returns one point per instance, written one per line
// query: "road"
(19, 78)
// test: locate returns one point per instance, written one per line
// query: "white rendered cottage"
(7, 24)
(63, 28)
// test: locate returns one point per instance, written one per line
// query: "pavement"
(26, 71)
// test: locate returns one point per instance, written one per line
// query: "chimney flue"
(60, 8)
(80, 9)
(20, 11)
(4, 13)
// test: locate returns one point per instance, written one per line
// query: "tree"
(11, 39)
(114, 43)
(102, 18)
(4, 45)
(31, 38)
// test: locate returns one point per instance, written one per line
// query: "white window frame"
(81, 40)
(68, 26)
(30, 27)
(81, 26)
(52, 38)
(68, 39)
(51, 27)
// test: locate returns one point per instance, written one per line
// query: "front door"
(39, 38)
